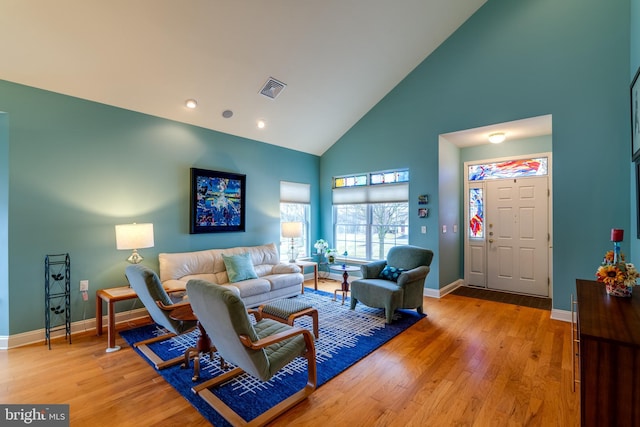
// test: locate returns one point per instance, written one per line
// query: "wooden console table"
(609, 354)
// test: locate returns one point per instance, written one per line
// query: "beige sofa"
(275, 279)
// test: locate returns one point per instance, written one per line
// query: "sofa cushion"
(279, 281)
(252, 287)
(391, 273)
(282, 268)
(239, 267)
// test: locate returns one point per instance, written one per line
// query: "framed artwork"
(423, 199)
(217, 201)
(635, 118)
(423, 212)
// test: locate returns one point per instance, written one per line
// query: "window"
(508, 169)
(371, 213)
(295, 199)
(476, 213)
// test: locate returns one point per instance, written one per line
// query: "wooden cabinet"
(609, 355)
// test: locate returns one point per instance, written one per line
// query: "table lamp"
(292, 230)
(134, 236)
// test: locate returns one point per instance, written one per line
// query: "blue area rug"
(346, 336)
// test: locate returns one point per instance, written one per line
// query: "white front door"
(517, 235)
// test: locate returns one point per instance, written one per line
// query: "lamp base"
(135, 258)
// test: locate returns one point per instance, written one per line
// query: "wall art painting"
(217, 201)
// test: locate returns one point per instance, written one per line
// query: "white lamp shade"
(291, 230)
(134, 236)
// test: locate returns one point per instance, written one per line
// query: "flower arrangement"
(331, 253)
(321, 246)
(618, 276)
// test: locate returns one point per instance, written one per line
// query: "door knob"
(490, 240)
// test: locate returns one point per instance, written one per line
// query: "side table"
(203, 345)
(344, 288)
(111, 296)
(302, 265)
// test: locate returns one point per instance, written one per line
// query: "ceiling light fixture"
(191, 103)
(227, 114)
(496, 138)
(261, 124)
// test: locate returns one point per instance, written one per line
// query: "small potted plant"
(331, 253)
(321, 246)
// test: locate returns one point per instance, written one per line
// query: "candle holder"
(617, 235)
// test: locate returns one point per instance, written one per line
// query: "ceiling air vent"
(272, 88)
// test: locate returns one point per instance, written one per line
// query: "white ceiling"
(514, 130)
(338, 58)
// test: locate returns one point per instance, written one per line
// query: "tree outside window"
(367, 231)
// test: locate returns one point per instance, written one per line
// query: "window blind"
(385, 193)
(295, 192)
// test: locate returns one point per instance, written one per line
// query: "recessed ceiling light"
(496, 138)
(191, 103)
(261, 124)
(227, 114)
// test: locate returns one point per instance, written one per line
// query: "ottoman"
(288, 310)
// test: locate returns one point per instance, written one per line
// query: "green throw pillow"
(239, 267)
(391, 273)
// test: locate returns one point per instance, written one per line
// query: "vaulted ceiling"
(337, 58)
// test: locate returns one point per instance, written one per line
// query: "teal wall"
(520, 147)
(450, 249)
(635, 64)
(77, 168)
(509, 61)
(4, 220)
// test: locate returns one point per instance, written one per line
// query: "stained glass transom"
(509, 169)
(374, 178)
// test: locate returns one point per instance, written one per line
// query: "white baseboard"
(39, 336)
(439, 293)
(563, 315)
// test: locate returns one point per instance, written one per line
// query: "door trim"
(466, 211)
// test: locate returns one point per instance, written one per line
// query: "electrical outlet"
(84, 285)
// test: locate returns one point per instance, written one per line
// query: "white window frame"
(295, 196)
(369, 195)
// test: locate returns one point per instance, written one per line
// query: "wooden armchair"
(260, 350)
(147, 285)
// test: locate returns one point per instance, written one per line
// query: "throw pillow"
(239, 267)
(391, 273)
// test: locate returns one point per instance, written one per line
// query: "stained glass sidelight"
(476, 213)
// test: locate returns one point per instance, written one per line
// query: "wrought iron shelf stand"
(57, 289)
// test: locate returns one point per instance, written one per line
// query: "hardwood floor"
(469, 363)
